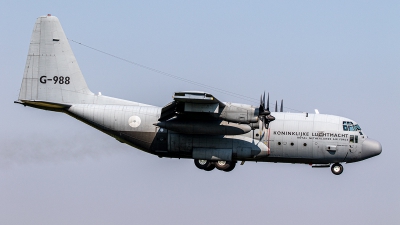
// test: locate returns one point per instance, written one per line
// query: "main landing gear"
(337, 169)
(209, 165)
(203, 164)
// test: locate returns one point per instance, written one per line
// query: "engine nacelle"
(239, 113)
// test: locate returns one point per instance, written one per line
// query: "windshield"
(349, 126)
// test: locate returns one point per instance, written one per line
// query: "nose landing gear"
(337, 169)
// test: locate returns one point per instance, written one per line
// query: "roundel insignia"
(134, 121)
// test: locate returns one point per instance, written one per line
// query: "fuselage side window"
(351, 138)
(356, 140)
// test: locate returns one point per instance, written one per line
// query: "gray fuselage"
(292, 137)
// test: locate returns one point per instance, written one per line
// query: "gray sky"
(341, 57)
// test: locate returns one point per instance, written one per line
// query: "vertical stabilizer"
(51, 72)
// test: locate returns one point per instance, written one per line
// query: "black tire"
(226, 166)
(204, 164)
(210, 167)
(337, 169)
(222, 165)
(231, 167)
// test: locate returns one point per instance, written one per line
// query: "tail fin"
(52, 74)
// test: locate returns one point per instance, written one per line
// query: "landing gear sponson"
(209, 165)
(228, 166)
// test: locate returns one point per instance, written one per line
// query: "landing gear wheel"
(225, 165)
(210, 167)
(337, 169)
(204, 164)
(231, 167)
(222, 165)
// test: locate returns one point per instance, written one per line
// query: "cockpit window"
(345, 127)
(358, 128)
(349, 126)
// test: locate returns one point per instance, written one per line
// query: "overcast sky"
(340, 57)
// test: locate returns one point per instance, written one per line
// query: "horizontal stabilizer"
(42, 104)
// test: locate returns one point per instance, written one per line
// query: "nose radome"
(370, 148)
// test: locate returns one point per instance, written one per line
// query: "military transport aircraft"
(195, 125)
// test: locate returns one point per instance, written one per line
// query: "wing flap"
(191, 102)
(195, 97)
(168, 111)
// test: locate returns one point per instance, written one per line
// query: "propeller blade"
(262, 104)
(264, 100)
(282, 105)
(261, 122)
(276, 106)
(267, 101)
(261, 100)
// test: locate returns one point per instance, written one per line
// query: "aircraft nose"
(370, 148)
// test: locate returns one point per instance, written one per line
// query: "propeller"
(264, 113)
(276, 106)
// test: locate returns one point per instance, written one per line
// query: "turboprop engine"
(239, 113)
(247, 114)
